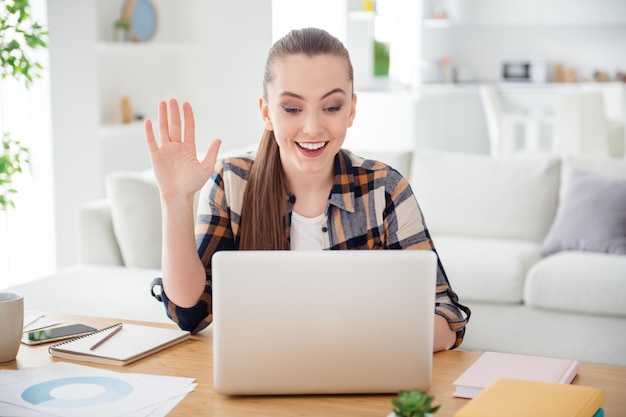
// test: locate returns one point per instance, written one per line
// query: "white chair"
(503, 125)
(614, 107)
(580, 127)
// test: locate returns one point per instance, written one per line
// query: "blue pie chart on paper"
(114, 390)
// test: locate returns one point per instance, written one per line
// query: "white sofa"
(488, 218)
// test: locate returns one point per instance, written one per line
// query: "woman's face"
(309, 106)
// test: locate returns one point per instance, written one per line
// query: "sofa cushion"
(489, 270)
(97, 241)
(611, 168)
(136, 216)
(399, 160)
(591, 215)
(575, 281)
(477, 195)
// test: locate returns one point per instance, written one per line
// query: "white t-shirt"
(306, 232)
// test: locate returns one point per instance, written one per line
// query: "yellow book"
(523, 398)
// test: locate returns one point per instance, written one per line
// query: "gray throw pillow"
(591, 216)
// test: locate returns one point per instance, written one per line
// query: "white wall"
(74, 103)
(330, 15)
(230, 71)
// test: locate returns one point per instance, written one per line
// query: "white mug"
(11, 324)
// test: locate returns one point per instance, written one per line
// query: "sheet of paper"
(34, 320)
(40, 323)
(31, 316)
(65, 389)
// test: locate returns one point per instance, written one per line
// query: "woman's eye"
(291, 109)
(333, 109)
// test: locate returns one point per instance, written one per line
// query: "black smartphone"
(54, 334)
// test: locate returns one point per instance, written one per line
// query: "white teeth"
(311, 146)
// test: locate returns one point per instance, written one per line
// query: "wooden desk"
(194, 358)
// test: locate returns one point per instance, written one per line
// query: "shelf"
(437, 23)
(133, 47)
(361, 15)
(110, 129)
(522, 25)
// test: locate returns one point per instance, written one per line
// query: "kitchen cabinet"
(478, 35)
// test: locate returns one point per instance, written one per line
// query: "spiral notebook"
(130, 342)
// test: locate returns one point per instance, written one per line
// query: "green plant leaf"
(13, 159)
(19, 35)
(413, 404)
(17, 40)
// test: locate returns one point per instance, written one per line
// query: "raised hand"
(178, 171)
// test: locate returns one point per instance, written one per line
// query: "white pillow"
(467, 194)
(136, 216)
(399, 160)
(609, 168)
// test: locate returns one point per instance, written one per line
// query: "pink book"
(492, 365)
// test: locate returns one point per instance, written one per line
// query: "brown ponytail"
(263, 213)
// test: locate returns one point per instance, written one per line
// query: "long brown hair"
(263, 215)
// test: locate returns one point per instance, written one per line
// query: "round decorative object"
(143, 17)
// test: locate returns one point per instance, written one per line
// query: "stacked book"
(513, 385)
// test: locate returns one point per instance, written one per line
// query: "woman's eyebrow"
(336, 90)
(290, 94)
(299, 97)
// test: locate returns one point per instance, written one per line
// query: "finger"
(164, 131)
(190, 124)
(211, 154)
(175, 127)
(150, 139)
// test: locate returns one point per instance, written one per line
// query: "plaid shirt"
(371, 206)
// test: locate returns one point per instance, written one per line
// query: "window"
(27, 248)
(397, 23)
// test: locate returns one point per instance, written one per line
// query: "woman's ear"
(265, 114)
(352, 111)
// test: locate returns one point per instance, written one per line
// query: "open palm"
(178, 171)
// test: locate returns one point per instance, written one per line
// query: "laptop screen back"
(322, 322)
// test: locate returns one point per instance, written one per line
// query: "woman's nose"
(312, 124)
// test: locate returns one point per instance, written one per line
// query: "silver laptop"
(323, 322)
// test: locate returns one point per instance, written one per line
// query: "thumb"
(210, 157)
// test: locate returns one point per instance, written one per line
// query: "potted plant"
(121, 28)
(381, 59)
(19, 35)
(413, 403)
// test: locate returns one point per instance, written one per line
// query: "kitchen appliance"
(533, 70)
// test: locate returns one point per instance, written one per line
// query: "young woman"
(300, 190)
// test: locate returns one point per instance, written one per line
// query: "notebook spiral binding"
(104, 329)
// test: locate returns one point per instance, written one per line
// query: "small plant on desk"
(413, 403)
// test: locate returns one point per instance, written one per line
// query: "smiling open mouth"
(311, 146)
